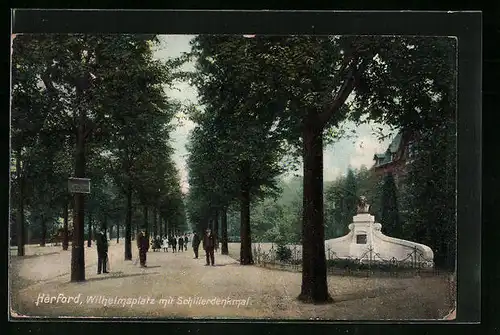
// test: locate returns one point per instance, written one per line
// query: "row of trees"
(92, 106)
(265, 99)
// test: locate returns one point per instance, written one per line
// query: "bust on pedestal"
(365, 239)
(363, 206)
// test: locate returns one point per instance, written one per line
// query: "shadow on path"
(115, 275)
(365, 294)
(18, 258)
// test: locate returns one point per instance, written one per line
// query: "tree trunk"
(155, 222)
(118, 233)
(77, 248)
(89, 237)
(128, 226)
(65, 243)
(160, 223)
(216, 225)
(224, 248)
(93, 225)
(314, 281)
(43, 237)
(20, 207)
(111, 231)
(146, 223)
(246, 242)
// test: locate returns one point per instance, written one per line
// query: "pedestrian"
(174, 243)
(181, 243)
(102, 252)
(196, 244)
(143, 246)
(164, 244)
(157, 243)
(186, 241)
(209, 245)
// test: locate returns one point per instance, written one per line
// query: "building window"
(361, 239)
(412, 150)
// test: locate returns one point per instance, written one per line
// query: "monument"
(366, 242)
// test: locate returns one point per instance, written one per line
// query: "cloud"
(332, 173)
(364, 149)
(338, 156)
(172, 46)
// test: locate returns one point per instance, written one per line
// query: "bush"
(283, 253)
(355, 265)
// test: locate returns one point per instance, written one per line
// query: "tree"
(314, 84)
(30, 115)
(234, 109)
(429, 195)
(351, 196)
(390, 212)
(79, 90)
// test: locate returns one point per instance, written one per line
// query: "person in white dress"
(165, 243)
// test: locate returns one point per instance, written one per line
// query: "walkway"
(176, 285)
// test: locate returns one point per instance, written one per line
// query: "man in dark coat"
(174, 243)
(209, 246)
(102, 252)
(196, 244)
(186, 241)
(143, 246)
(181, 243)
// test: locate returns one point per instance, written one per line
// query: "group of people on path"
(170, 242)
(209, 243)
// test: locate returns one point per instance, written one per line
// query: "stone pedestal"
(366, 242)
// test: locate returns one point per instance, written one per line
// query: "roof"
(386, 158)
(396, 143)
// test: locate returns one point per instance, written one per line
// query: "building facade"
(396, 158)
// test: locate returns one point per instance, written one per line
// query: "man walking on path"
(143, 245)
(174, 243)
(102, 252)
(186, 241)
(196, 244)
(209, 245)
(181, 243)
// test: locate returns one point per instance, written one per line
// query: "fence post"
(370, 261)
(415, 257)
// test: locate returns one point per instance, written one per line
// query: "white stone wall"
(378, 247)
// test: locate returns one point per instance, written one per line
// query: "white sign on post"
(79, 185)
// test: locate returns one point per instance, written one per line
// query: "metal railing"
(289, 257)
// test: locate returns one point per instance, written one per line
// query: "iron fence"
(289, 257)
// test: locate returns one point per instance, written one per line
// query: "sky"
(338, 157)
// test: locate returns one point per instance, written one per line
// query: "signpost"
(79, 185)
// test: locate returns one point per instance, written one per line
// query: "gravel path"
(178, 286)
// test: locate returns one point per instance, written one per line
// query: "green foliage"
(234, 146)
(283, 253)
(341, 203)
(390, 220)
(127, 123)
(356, 265)
(429, 196)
